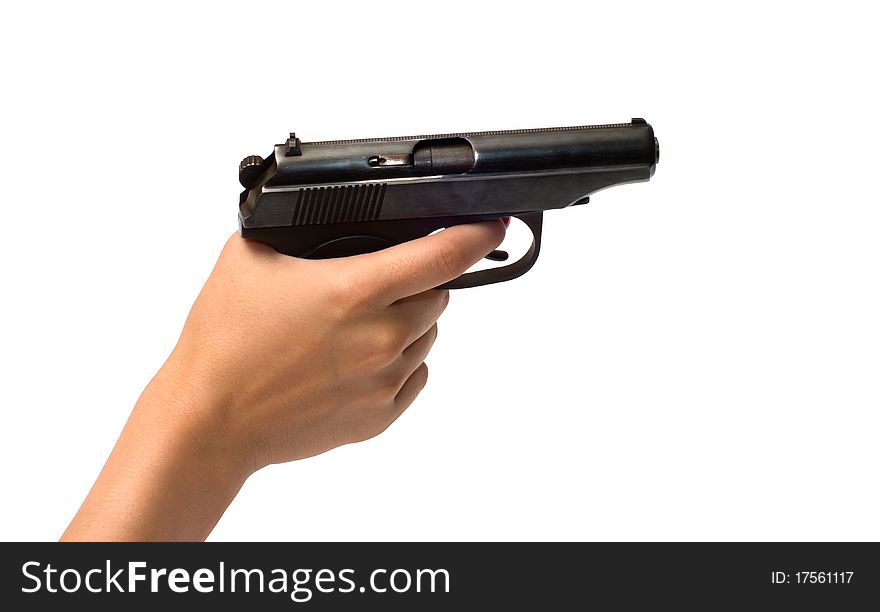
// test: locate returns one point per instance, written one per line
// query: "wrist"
(169, 476)
(196, 414)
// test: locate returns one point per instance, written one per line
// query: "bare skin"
(279, 359)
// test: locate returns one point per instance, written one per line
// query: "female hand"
(279, 359)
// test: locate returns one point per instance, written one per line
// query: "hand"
(280, 359)
(302, 356)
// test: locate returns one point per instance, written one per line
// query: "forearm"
(167, 478)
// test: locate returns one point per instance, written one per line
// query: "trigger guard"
(534, 221)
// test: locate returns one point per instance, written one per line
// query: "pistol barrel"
(472, 154)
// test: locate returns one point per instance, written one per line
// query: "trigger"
(497, 256)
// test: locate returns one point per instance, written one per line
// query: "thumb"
(425, 263)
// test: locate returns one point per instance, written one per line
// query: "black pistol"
(345, 197)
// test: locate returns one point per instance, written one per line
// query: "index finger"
(425, 263)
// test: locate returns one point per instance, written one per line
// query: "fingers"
(417, 352)
(410, 389)
(425, 263)
(417, 313)
(403, 381)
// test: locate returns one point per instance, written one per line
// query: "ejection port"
(443, 156)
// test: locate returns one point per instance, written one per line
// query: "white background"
(692, 358)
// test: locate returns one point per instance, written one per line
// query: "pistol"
(345, 197)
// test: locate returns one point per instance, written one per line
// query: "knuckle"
(435, 304)
(444, 299)
(421, 376)
(350, 297)
(343, 291)
(381, 348)
(421, 348)
(388, 383)
(434, 331)
(448, 259)
(385, 388)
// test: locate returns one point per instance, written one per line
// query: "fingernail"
(505, 221)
